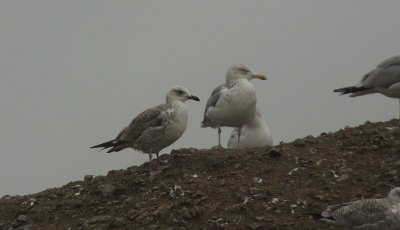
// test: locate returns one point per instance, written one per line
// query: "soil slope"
(261, 188)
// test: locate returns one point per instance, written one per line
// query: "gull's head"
(180, 93)
(394, 195)
(240, 71)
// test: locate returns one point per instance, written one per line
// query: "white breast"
(236, 106)
(177, 121)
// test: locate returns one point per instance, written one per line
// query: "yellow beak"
(259, 76)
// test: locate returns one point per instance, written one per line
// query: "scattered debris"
(293, 170)
(319, 162)
(275, 200)
(260, 188)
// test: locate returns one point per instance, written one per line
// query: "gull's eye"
(244, 71)
(179, 92)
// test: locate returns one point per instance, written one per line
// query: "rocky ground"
(262, 188)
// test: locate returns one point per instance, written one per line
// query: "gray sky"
(73, 73)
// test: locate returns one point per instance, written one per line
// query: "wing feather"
(126, 138)
(212, 101)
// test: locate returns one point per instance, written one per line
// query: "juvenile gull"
(367, 214)
(254, 134)
(232, 104)
(155, 128)
(384, 79)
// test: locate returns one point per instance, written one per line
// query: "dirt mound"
(262, 188)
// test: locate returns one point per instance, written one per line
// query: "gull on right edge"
(384, 79)
(381, 213)
(254, 134)
(232, 104)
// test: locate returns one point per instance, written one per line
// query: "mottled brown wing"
(147, 119)
(358, 212)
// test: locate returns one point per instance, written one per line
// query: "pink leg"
(159, 168)
(219, 136)
(239, 134)
(150, 157)
(158, 161)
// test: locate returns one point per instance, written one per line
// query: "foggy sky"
(73, 73)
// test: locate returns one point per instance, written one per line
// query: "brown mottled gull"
(384, 79)
(367, 214)
(232, 104)
(155, 128)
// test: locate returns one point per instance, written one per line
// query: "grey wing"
(392, 61)
(150, 118)
(382, 77)
(213, 99)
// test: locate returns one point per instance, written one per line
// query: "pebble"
(219, 220)
(255, 226)
(99, 219)
(397, 163)
(393, 172)
(148, 220)
(107, 190)
(260, 218)
(21, 218)
(268, 169)
(361, 151)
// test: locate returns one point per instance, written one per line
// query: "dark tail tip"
(103, 145)
(351, 89)
(315, 215)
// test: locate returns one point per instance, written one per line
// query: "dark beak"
(194, 98)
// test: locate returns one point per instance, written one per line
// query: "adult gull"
(232, 104)
(155, 128)
(384, 79)
(254, 134)
(381, 213)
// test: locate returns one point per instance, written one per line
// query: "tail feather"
(103, 145)
(351, 89)
(115, 146)
(316, 215)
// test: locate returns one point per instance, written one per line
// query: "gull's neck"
(230, 82)
(393, 200)
(173, 102)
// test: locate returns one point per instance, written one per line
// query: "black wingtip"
(344, 90)
(110, 151)
(103, 145)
